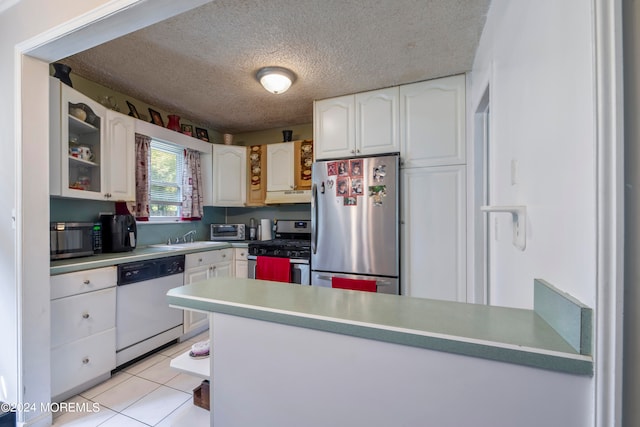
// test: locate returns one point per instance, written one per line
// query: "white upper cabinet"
(377, 117)
(121, 156)
(432, 124)
(280, 176)
(334, 133)
(357, 125)
(92, 149)
(230, 175)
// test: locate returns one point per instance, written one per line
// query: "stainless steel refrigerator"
(355, 223)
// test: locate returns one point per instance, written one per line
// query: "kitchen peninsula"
(315, 356)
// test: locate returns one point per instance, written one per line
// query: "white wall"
(27, 380)
(537, 58)
(24, 165)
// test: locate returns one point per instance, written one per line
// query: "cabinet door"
(434, 233)
(280, 166)
(432, 129)
(230, 175)
(333, 127)
(222, 269)
(81, 145)
(195, 319)
(120, 159)
(377, 116)
(242, 269)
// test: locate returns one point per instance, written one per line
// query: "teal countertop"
(138, 254)
(496, 333)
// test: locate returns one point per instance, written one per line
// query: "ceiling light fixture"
(275, 79)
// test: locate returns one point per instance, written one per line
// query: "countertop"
(139, 254)
(496, 333)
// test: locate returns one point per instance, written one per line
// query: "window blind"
(165, 174)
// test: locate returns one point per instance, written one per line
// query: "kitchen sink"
(189, 245)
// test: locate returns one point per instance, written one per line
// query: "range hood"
(289, 196)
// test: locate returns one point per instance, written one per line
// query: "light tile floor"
(148, 393)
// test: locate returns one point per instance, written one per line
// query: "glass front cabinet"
(81, 160)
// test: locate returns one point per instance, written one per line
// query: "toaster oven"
(228, 232)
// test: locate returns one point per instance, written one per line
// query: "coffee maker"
(119, 233)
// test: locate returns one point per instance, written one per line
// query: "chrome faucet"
(190, 233)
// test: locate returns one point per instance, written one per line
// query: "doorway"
(481, 187)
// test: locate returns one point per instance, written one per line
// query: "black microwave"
(74, 239)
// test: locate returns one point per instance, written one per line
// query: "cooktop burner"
(293, 240)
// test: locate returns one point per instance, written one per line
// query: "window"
(165, 180)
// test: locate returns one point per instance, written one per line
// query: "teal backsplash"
(148, 233)
(152, 233)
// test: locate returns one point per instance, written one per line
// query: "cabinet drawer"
(241, 254)
(64, 285)
(83, 360)
(207, 258)
(82, 315)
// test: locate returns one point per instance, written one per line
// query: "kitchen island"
(291, 355)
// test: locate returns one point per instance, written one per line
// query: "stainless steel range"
(285, 258)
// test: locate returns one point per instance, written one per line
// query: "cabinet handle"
(213, 267)
(85, 361)
(358, 150)
(85, 315)
(86, 282)
(353, 151)
(224, 255)
(199, 259)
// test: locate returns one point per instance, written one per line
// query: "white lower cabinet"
(82, 361)
(83, 328)
(241, 262)
(434, 233)
(201, 266)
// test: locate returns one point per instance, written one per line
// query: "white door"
(195, 319)
(121, 163)
(434, 233)
(432, 128)
(230, 180)
(280, 167)
(377, 117)
(333, 127)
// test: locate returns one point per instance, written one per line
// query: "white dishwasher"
(144, 320)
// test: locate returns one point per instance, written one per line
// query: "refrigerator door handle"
(314, 218)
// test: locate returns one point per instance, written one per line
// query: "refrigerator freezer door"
(355, 216)
(384, 285)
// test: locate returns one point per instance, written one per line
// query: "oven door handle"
(314, 218)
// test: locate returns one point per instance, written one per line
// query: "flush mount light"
(275, 79)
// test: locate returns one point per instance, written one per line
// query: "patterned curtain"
(143, 159)
(191, 186)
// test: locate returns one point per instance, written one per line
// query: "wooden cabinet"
(201, 266)
(357, 125)
(241, 263)
(92, 149)
(230, 175)
(434, 232)
(83, 321)
(257, 175)
(432, 117)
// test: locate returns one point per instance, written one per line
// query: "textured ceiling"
(203, 63)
